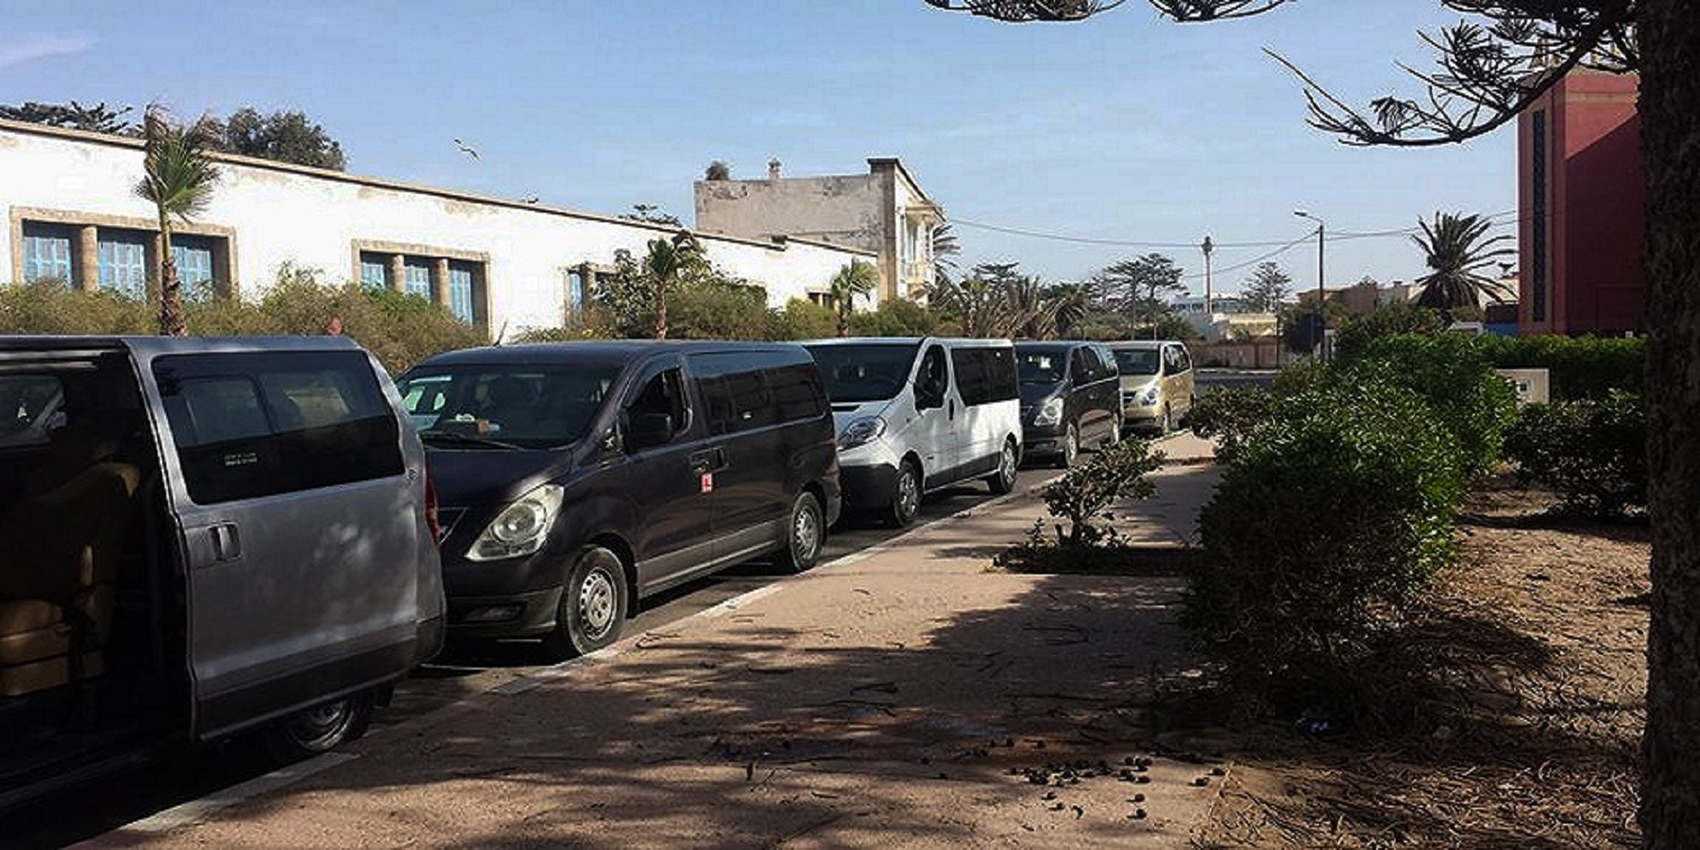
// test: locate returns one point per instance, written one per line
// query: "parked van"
(916, 415)
(1070, 397)
(204, 537)
(578, 478)
(1157, 383)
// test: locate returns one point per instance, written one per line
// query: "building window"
(47, 252)
(416, 277)
(461, 302)
(820, 299)
(1538, 216)
(374, 270)
(123, 257)
(575, 291)
(194, 258)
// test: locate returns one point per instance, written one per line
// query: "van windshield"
(1042, 367)
(860, 372)
(523, 405)
(1137, 361)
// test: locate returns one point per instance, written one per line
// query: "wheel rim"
(596, 606)
(1168, 420)
(805, 534)
(321, 726)
(1006, 465)
(1071, 446)
(908, 492)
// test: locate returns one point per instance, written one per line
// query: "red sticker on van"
(708, 482)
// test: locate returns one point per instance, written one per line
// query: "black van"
(577, 478)
(1070, 398)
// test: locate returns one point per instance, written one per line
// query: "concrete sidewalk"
(907, 695)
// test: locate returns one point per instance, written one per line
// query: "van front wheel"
(593, 605)
(804, 535)
(905, 495)
(318, 730)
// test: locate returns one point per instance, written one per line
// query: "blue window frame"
(193, 256)
(575, 291)
(460, 292)
(47, 251)
(416, 278)
(123, 257)
(374, 270)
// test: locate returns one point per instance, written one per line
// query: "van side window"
(971, 378)
(26, 405)
(1108, 360)
(659, 411)
(933, 380)
(251, 425)
(1182, 361)
(1003, 382)
(1085, 371)
(797, 392)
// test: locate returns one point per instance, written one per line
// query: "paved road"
(460, 672)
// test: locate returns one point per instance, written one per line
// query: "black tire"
(804, 536)
(1070, 448)
(1003, 480)
(318, 730)
(1166, 423)
(593, 605)
(905, 495)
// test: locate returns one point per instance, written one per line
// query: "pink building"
(1580, 192)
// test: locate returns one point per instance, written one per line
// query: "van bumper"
(1042, 440)
(509, 615)
(869, 487)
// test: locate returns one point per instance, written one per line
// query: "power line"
(1342, 235)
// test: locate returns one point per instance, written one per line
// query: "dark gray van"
(203, 537)
(578, 478)
(1070, 398)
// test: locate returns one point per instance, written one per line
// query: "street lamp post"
(1207, 247)
(1321, 319)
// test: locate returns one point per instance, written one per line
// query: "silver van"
(204, 537)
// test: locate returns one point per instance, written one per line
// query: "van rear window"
(986, 375)
(250, 425)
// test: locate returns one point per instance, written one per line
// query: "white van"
(916, 415)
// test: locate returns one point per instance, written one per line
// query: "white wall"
(312, 218)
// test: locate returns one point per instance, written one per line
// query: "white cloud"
(18, 50)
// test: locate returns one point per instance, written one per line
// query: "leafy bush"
(1087, 494)
(1592, 453)
(896, 317)
(1357, 332)
(804, 319)
(1228, 415)
(53, 307)
(1338, 509)
(718, 310)
(1577, 367)
(1453, 373)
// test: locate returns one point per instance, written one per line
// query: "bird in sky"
(528, 199)
(464, 149)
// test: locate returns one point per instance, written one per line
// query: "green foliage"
(897, 317)
(804, 319)
(1455, 376)
(1229, 415)
(98, 118)
(1591, 452)
(857, 278)
(1338, 509)
(282, 136)
(1577, 367)
(50, 306)
(1458, 250)
(719, 310)
(1267, 287)
(1087, 494)
(1356, 332)
(1139, 288)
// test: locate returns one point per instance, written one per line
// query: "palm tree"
(669, 261)
(1456, 253)
(945, 250)
(178, 180)
(857, 278)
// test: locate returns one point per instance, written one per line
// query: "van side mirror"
(649, 429)
(610, 442)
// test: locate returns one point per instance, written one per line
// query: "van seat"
(64, 540)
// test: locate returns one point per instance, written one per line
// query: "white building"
(884, 211)
(503, 265)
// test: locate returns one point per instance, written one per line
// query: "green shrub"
(1228, 415)
(804, 319)
(1357, 332)
(1577, 367)
(1338, 509)
(1592, 453)
(718, 311)
(1087, 494)
(53, 307)
(895, 317)
(1454, 375)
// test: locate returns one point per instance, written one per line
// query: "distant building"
(499, 264)
(884, 211)
(1580, 191)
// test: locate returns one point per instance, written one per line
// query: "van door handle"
(226, 542)
(708, 460)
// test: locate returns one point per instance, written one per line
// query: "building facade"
(1580, 193)
(505, 266)
(884, 211)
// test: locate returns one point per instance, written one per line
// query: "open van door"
(296, 498)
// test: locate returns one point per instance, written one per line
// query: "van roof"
(617, 350)
(962, 342)
(173, 344)
(1144, 343)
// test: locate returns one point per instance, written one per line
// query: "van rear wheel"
(1003, 480)
(805, 534)
(1070, 447)
(318, 730)
(593, 605)
(905, 495)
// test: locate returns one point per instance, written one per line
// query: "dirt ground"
(1532, 668)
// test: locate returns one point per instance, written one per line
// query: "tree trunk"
(172, 321)
(1670, 142)
(660, 309)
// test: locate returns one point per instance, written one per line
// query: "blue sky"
(1123, 128)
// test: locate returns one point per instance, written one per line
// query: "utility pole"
(1321, 317)
(1209, 316)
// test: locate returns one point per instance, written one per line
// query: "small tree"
(1267, 287)
(1138, 287)
(178, 179)
(1456, 251)
(855, 278)
(717, 170)
(283, 136)
(669, 261)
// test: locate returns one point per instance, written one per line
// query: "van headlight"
(520, 528)
(1148, 396)
(861, 431)
(1051, 413)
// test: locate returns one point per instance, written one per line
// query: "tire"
(1165, 424)
(1070, 448)
(1116, 430)
(318, 730)
(905, 495)
(804, 536)
(1003, 480)
(593, 605)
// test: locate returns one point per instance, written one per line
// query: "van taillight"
(431, 520)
